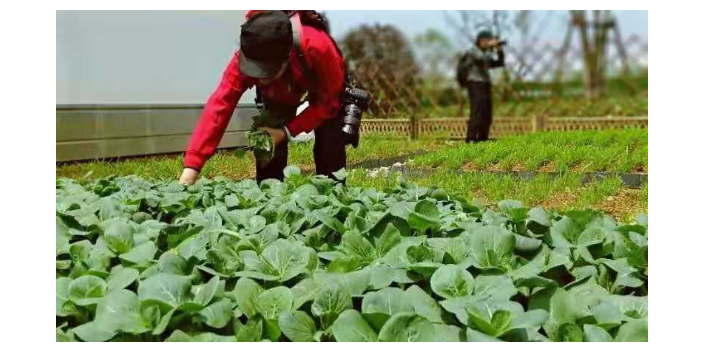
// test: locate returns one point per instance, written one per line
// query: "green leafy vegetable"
(308, 259)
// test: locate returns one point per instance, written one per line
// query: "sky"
(415, 22)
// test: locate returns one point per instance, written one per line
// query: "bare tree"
(525, 30)
(522, 28)
(593, 34)
(467, 23)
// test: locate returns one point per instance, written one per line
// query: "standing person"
(473, 74)
(284, 58)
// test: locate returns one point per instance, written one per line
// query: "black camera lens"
(356, 101)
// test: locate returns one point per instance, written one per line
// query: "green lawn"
(576, 106)
(569, 152)
(564, 192)
(236, 164)
(610, 150)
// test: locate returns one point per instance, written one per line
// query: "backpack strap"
(297, 27)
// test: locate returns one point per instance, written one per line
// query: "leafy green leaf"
(451, 281)
(492, 247)
(180, 336)
(62, 237)
(477, 336)
(593, 333)
(498, 287)
(496, 325)
(247, 292)
(284, 259)
(514, 210)
(252, 331)
(304, 291)
(140, 254)
(447, 333)
(274, 302)
(423, 304)
(204, 293)
(217, 314)
(379, 306)
(63, 305)
(407, 327)
(87, 290)
(171, 263)
(425, 216)
(539, 216)
(330, 301)
(358, 247)
(291, 170)
(388, 240)
(122, 277)
(262, 144)
(344, 265)
(564, 309)
(119, 235)
(354, 283)
(297, 326)
(351, 327)
(564, 233)
(118, 312)
(527, 244)
(329, 221)
(168, 289)
(569, 332)
(633, 331)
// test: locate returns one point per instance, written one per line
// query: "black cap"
(484, 35)
(266, 40)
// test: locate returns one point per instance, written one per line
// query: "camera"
(355, 102)
(503, 42)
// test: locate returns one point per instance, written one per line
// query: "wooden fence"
(540, 73)
(456, 128)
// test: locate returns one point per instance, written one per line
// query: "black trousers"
(480, 115)
(328, 152)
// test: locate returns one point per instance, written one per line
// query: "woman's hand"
(277, 135)
(188, 176)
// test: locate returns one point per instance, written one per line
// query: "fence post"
(539, 122)
(544, 122)
(414, 127)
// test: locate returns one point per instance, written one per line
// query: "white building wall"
(143, 57)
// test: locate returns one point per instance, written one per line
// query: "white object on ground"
(304, 137)
(380, 172)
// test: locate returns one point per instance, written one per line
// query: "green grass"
(569, 152)
(609, 150)
(234, 164)
(372, 147)
(482, 185)
(619, 105)
(564, 192)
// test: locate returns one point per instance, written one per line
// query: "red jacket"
(325, 86)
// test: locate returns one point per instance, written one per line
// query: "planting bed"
(310, 260)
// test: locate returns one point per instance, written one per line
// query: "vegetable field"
(623, 151)
(311, 260)
(484, 168)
